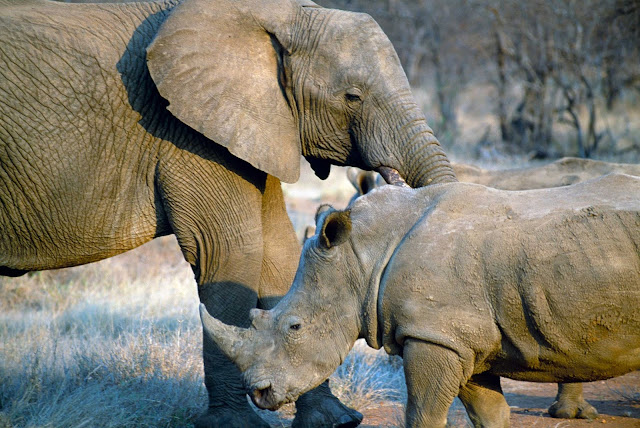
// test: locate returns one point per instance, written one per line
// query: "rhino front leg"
(433, 374)
(483, 398)
(570, 403)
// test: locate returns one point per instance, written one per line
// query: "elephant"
(468, 284)
(124, 122)
(569, 402)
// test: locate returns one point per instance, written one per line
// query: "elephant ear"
(218, 64)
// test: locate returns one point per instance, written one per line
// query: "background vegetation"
(540, 78)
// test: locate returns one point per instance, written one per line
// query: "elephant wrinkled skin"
(123, 122)
(468, 284)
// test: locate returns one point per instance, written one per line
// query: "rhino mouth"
(263, 396)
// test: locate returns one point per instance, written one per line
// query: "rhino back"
(565, 293)
(562, 172)
(528, 282)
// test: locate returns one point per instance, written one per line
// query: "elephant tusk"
(392, 176)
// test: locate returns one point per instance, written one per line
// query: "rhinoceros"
(569, 402)
(468, 284)
(561, 172)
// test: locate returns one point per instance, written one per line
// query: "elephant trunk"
(425, 160)
(421, 157)
(392, 176)
(231, 340)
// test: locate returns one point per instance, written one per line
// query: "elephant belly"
(57, 240)
(64, 213)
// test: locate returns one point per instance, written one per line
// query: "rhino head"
(295, 346)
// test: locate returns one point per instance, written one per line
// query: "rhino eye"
(295, 326)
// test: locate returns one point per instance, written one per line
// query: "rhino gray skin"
(465, 282)
(561, 172)
(569, 402)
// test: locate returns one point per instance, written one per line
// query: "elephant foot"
(320, 408)
(333, 415)
(231, 418)
(570, 404)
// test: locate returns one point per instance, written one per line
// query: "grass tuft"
(368, 378)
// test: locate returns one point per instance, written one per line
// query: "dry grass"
(118, 343)
(115, 343)
(368, 378)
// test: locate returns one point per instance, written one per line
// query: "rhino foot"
(230, 418)
(573, 410)
(320, 408)
(570, 404)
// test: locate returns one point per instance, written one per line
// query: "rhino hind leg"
(570, 403)
(485, 403)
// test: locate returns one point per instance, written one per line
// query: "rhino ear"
(321, 210)
(219, 64)
(336, 228)
(363, 181)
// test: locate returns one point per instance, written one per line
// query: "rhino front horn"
(231, 340)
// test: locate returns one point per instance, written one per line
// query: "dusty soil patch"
(617, 400)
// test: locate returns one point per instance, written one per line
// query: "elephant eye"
(353, 95)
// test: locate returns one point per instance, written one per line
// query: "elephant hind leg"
(570, 403)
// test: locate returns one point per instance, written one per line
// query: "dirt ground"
(617, 401)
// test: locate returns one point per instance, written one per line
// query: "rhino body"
(569, 402)
(465, 282)
(562, 172)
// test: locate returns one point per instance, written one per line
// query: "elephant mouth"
(263, 395)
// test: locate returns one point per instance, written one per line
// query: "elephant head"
(271, 80)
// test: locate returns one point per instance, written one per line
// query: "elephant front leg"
(433, 375)
(230, 301)
(482, 397)
(570, 403)
(213, 203)
(320, 408)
